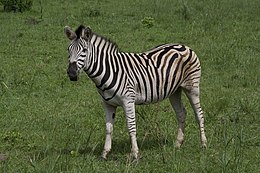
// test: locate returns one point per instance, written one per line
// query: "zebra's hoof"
(178, 144)
(102, 158)
(204, 146)
(135, 160)
(135, 157)
(104, 155)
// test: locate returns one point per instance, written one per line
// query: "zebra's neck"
(102, 51)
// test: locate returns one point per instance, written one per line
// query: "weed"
(148, 22)
(93, 13)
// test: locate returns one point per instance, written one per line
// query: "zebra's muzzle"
(72, 71)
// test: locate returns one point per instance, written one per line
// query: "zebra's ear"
(87, 33)
(69, 33)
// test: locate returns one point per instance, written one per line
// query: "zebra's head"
(78, 50)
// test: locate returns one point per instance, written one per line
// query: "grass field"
(49, 124)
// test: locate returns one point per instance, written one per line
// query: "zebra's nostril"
(73, 66)
(72, 71)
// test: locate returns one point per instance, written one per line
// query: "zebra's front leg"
(110, 119)
(129, 109)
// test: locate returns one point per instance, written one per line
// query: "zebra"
(129, 79)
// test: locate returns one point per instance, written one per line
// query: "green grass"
(49, 124)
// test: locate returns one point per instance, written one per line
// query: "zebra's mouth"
(74, 78)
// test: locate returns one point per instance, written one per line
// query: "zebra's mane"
(79, 32)
(114, 45)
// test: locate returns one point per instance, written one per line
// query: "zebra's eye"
(84, 49)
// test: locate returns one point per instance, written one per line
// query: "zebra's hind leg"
(129, 109)
(192, 93)
(110, 119)
(180, 111)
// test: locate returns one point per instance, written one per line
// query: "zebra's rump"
(166, 68)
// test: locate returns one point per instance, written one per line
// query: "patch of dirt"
(3, 157)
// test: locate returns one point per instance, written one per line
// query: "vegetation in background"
(16, 5)
(49, 124)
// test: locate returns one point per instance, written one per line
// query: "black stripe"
(94, 65)
(100, 70)
(160, 56)
(136, 77)
(107, 99)
(107, 72)
(157, 78)
(168, 73)
(180, 78)
(150, 54)
(115, 75)
(91, 62)
(181, 49)
(151, 86)
(141, 71)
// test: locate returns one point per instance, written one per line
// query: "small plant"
(12, 138)
(16, 5)
(148, 22)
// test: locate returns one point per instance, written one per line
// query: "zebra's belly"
(138, 96)
(142, 99)
(119, 100)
